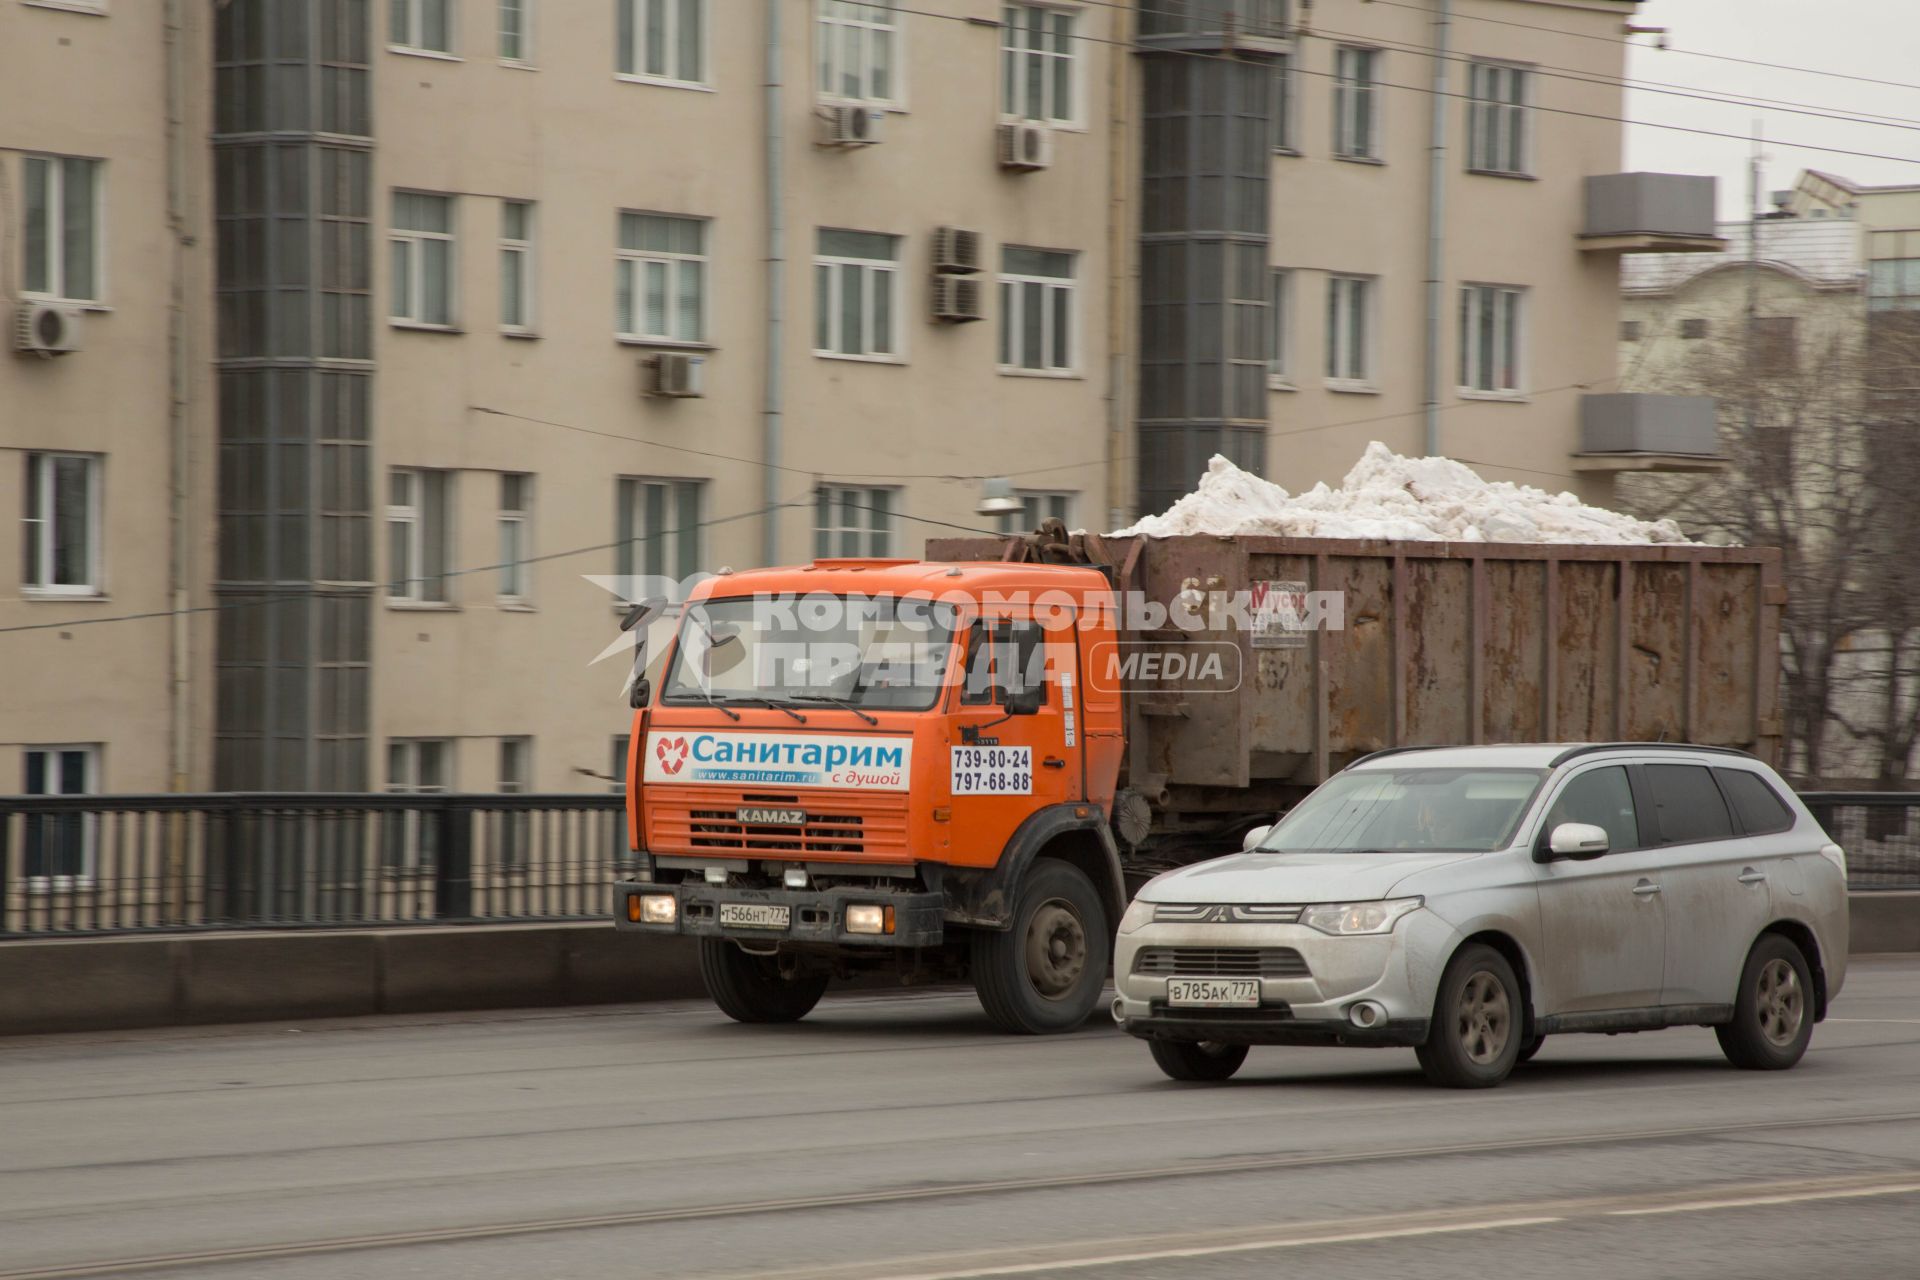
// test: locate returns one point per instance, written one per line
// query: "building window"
(1893, 284)
(1036, 508)
(417, 536)
(1490, 328)
(423, 25)
(657, 529)
(1497, 118)
(1350, 329)
(1356, 127)
(856, 293)
(1630, 331)
(516, 266)
(416, 766)
(513, 827)
(1036, 64)
(1693, 327)
(63, 224)
(858, 47)
(60, 847)
(516, 31)
(1279, 325)
(1036, 310)
(62, 524)
(663, 40)
(423, 263)
(662, 286)
(516, 543)
(852, 522)
(1283, 108)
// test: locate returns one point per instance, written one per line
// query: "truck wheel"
(1187, 1060)
(1475, 1036)
(1045, 973)
(1773, 1014)
(750, 988)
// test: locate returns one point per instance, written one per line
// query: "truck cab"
(883, 765)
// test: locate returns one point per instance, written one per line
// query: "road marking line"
(1702, 1206)
(1905, 1022)
(1250, 1246)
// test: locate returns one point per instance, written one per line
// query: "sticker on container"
(992, 771)
(1280, 615)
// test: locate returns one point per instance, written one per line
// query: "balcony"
(1637, 431)
(1650, 213)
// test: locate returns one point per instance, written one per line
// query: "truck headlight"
(658, 908)
(1138, 913)
(1359, 917)
(866, 917)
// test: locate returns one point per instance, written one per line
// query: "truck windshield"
(1390, 810)
(872, 652)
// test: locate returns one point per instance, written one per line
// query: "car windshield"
(1390, 810)
(872, 652)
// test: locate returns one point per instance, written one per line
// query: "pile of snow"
(1388, 496)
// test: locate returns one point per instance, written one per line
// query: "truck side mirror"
(1025, 700)
(641, 693)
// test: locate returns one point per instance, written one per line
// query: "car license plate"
(754, 915)
(1214, 993)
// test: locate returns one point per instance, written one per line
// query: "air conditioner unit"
(956, 299)
(675, 374)
(47, 328)
(847, 125)
(1025, 147)
(955, 250)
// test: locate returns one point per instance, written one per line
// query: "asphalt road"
(899, 1136)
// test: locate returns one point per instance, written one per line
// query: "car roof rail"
(1590, 748)
(1389, 751)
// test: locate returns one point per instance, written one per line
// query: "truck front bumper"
(813, 915)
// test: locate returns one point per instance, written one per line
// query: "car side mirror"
(1254, 837)
(1579, 840)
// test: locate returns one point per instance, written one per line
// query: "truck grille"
(706, 820)
(1220, 962)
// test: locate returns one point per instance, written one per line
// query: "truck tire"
(1188, 1060)
(750, 988)
(1045, 974)
(1773, 1012)
(1476, 1034)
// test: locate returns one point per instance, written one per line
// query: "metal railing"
(1880, 830)
(117, 864)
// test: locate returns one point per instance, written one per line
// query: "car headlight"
(1359, 917)
(1138, 913)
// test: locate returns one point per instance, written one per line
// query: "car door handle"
(1054, 762)
(1750, 876)
(1646, 887)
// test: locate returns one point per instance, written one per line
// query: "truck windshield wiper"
(768, 702)
(842, 703)
(707, 697)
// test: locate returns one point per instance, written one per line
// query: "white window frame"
(516, 23)
(1015, 288)
(829, 282)
(515, 527)
(89, 824)
(1280, 339)
(633, 16)
(1016, 25)
(631, 268)
(1286, 105)
(411, 40)
(682, 539)
(860, 512)
(415, 837)
(1512, 121)
(55, 265)
(1037, 505)
(513, 828)
(1509, 333)
(1349, 94)
(416, 588)
(833, 20)
(411, 292)
(517, 255)
(38, 494)
(1341, 290)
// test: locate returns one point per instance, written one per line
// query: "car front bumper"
(813, 915)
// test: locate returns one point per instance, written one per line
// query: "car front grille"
(1225, 913)
(1220, 962)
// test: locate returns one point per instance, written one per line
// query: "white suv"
(1470, 901)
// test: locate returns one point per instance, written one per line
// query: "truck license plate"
(754, 915)
(1214, 993)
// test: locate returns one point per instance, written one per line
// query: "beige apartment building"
(400, 323)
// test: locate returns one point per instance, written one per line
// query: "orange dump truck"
(955, 768)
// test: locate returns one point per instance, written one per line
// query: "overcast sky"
(1874, 38)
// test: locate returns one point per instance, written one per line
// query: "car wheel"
(1529, 1048)
(1204, 1060)
(1475, 1038)
(1045, 973)
(750, 988)
(1773, 1012)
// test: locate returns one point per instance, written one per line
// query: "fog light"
(657, 908)
(1367, 1014)
(866, 918)
(794, 877)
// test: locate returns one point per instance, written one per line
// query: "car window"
(1688, 803)
(1603, 798)
(1761, 811)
